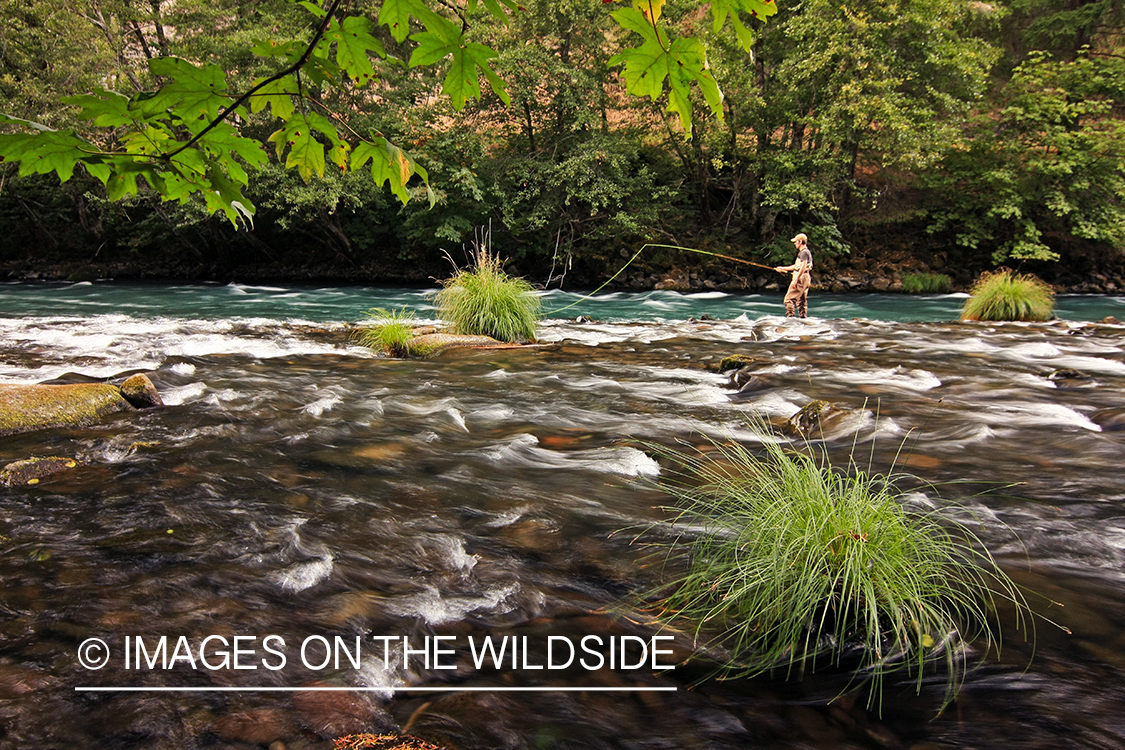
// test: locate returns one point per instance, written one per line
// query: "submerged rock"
(31, 470)
(35, 407)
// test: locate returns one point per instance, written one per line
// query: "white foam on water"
(183, 368)
(452, 550)
(217, 398)
(304, 575)
(493, 414)
(773, 403)
(1090, 364)
(435, 608)
(897, 377)
(524, 451)
(509, 517)
(1034, 350)
(424, 407)
(1024, 414)
(101, 346)
(318, 407)
(182, 394)
(458, 418)
(382, 668)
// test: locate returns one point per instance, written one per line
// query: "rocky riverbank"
(871, 270)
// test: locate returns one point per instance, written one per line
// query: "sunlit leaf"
(195, 91)
(278, 96)
(353, 41)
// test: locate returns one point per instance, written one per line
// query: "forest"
(921, 134)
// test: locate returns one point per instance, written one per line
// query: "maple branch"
(301, 62)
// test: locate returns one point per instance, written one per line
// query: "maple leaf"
(277, 95)
(306, 153)
(223, 141)
(44, 151)
(196, 91)
(679, 62)
(389, 164)
(106, 108)
(353, 41)
(444, 39)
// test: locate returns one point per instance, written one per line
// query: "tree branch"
(301, 62)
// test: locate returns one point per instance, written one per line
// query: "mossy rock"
(734, 362)
(812, 419)
(140, 392)
(34, 407)
(432, 344)
(31, 470)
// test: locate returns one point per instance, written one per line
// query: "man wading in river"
(797, 298)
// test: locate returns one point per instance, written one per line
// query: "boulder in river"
(140, 392)
(813, 419)
(432, 344)
(734, 362)
(35, 407)
(31, 470)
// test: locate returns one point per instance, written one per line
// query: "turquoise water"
(345, 304)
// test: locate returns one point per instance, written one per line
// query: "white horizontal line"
(385, 689)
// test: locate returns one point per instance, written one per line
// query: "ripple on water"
(435, 607)
(523, 451)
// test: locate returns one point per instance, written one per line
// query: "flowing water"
(298, 486)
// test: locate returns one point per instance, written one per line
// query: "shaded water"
(299, 486)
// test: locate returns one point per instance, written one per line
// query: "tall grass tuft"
(791, 563)
(389, 332)
(1006, 295)
(926, 283)
(486, 301)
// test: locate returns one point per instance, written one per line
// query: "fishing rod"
(667, 247)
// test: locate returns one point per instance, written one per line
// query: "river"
(298, 486)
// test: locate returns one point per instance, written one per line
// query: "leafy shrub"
(390, 332)
(486, 301)
(926, 283)
(797, 562)
(1006, 295)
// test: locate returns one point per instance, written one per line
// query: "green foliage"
(1047, 164)
(926, 283)
(486, 301)
(185, 138)
(1063, 29)
(796, 562)
(389, 332)
(1006, 295)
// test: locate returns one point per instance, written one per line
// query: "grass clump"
(389, 332)
(486, 301)
(793, 563)
(926, 283)
(1006, 295)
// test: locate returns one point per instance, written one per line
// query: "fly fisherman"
(797, 298)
